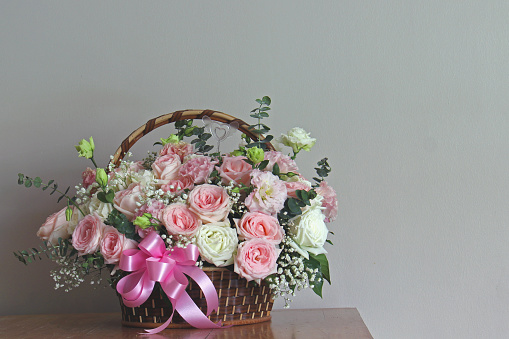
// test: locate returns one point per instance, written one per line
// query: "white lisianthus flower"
(217, 243)
(298, 139)
(97, 206)
(309, 231)
(145, 178)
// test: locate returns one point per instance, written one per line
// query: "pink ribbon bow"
(153, 262)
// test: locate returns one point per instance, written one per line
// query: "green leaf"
(21, 178)
(110, 196)
(275, 169)
(328, 241)
(264, 109)
(293, 206)
(55, 186)
(313, 264)
(266, 100)
(102, 197)
(259, 101)
(324, 265)
(37, 182)
(263, 164)
(28, 182)
(303, 195)
(268, 138)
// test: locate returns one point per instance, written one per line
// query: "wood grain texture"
(342, 323)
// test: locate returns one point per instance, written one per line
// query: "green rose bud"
(172, 139)
(68, 213)
(101, 177)
(143, 221)
(85, 148)
(255, 154)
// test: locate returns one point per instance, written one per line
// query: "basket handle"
(177, 116)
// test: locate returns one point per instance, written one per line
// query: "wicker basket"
(240, 302)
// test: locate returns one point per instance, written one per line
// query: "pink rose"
(211, 203)
(178, 219)
(199, 167)
(285, 163)
(125, 201)
(235, 169)
(259, 225)
(330, 201)
(292, 186)
(166, 168)
(178, 185)
(54, 227)
(88, 177)
(113, 243)
(87, 235)
(256, 259)
(270, 193)
(180, 148)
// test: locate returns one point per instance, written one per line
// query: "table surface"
(344, 323)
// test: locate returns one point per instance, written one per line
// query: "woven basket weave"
(240, 302)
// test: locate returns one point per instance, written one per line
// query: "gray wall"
(408, 99)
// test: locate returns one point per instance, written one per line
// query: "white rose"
(96, 206)
(298, 139)
(309, 230)
(217, 243)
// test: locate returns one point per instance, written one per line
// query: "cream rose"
(309, 230)
(54, 227)
(166, 167)
(217, 243)
(126, 201)
(298, 139)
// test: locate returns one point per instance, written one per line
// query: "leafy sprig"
(52, 185)
(322, 170)
(260, 113)
(47, 249)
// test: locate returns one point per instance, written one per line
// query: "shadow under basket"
(240, 303)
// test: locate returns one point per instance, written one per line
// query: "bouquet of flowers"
(249, 211)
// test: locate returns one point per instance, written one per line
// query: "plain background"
(408, 99)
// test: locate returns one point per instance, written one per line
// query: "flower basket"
(192, 237)
(240, 302)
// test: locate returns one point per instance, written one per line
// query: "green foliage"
(260, 113)
(320, 263)
(322, 170)
(52, 185)
(106, 197)
(200, 143)
(120, 222)
(45, 249)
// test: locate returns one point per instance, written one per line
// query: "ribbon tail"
(188, 310)
(207, 287)
(163, 326)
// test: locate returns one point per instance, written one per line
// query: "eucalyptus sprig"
(322, 170)
(37, 182)
(259, 113)
(47, 249)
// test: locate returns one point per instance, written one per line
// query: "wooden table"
(344, 323)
